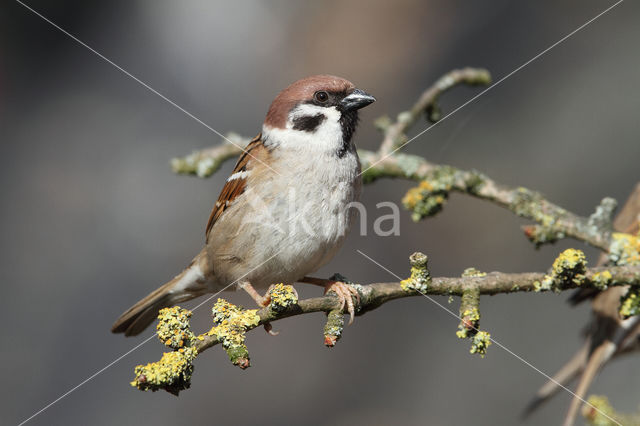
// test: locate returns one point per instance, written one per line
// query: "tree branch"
(173, 371)
(395, 134)
(374, 295)
(554, 221)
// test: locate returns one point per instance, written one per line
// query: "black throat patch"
(348, 122)
(308, 123)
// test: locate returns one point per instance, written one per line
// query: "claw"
(269, 329)
(345, 294)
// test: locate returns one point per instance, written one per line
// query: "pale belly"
(291, 226)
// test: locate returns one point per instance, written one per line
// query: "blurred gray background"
(92, 218)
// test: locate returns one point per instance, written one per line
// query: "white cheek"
(326, 138)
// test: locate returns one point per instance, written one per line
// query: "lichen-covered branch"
(206, 162)
(438, 181)
(173, 371)
(374, 295)
(435, 184)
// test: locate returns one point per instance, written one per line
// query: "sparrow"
(606, 336)
(284, 210)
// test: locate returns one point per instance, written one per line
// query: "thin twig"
(395, 134)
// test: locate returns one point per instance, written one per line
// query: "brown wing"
(233, 188)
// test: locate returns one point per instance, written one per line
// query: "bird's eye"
(321, 96)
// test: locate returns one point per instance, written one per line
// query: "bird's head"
(318, 112)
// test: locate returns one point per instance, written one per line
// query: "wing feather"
(236, 186)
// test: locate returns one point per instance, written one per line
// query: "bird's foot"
(261, 301)
(345, 293)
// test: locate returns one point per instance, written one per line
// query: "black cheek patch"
(308, 123)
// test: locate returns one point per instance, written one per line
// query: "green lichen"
(173, 327)
(469, 313)
(428, 198)
(408, 163)
(333, 328)
(601, 219)
(420, 277)
(473, 272)
(630, 303)
(624, 249)
(233, 323)
(540, 235)
(474, 181)
(172, 373)
(282, 297)
(568, 270)
(202, 163)
(530, 204)
(480, 342)
(470, 319)
(544, 285)
(602, 280)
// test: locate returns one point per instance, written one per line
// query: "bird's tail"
(190, 283)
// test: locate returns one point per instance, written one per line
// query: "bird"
(284, 210)
(607, 336)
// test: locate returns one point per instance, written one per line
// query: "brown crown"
(300, 91)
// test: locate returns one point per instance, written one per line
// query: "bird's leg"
(261, 301)
(344, 291)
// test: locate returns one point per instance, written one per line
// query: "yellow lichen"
(429, 196)
(473, 272)
(602, 280)
(472, 314)
(480, 342)
(624, 249)
(420, 277)
(568, 269)
(470, 319)
(233, 322)
(630, 303)
(599, 412)
(570, 264)
(282, 297)
(462, 333)
(172, 373)
(173, 327)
